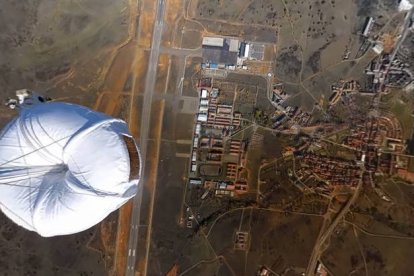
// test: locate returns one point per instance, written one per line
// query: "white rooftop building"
(204, 94)
(378, 48)
(202, 117)
(234, 45)
(246, 51)
(198, 129)
(213, 41)
(368, 26)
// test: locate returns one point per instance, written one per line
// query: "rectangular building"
(234, 45)
(204, 94)
(198, 129)
(213, 41)
(193, 167)
(369, 23)
(246, 51)
(195, 181)
(202, 117)
(220, 52)
(195, 142)
(204, 103)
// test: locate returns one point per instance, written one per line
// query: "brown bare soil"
(146, 24)
(124, 221)
(389, 42)
(173, 11)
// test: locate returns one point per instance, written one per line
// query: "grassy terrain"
(344, 253)
(274, 239)
(401, 104)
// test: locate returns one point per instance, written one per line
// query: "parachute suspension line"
(34, 151)
(44, 189)
(95, 194)
(45, 132)
(45, 169)
(30, 180)
(98, 192)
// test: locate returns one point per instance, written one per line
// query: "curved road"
(310, 271)
(323, 237)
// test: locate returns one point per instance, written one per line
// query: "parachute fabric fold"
(64, 168)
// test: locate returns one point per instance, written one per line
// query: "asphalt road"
(403, 34)
(322, 239)
(144, 132)
(182, 52)
(320, 242)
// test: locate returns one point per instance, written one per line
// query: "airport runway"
(144, 133)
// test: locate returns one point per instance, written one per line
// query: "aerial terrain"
(276, 136)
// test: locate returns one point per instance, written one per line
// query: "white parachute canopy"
(64, 168)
